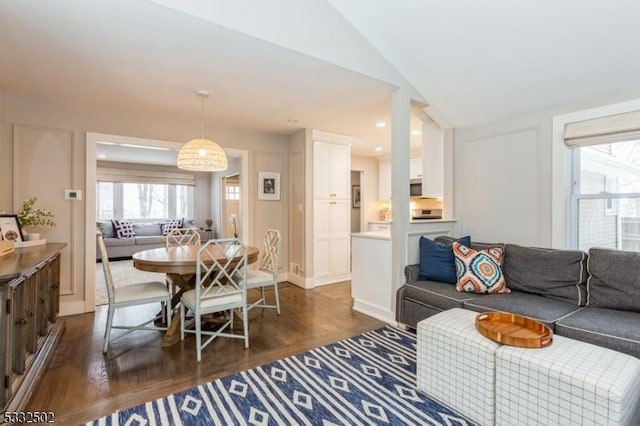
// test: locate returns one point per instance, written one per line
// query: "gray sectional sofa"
(592, 297)
(148, 236)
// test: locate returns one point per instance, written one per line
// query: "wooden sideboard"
(29, 325)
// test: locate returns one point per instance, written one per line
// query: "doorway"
(230, 202)
(357, 205)
(241, 158)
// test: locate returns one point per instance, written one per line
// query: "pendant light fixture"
(202, 155)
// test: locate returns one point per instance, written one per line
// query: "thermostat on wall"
(72, 194)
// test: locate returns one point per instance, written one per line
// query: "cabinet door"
(322, 170)
(18, 343)
(384, 181)
(340, 238)
(341, 172)
(30, 309)
(322, 238)
(415, 168)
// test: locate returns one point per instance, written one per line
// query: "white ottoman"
(456, 364)
(567, 383)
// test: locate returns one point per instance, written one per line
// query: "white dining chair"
(220, 287)
(179, 237)
(132, 295)
(267, 273)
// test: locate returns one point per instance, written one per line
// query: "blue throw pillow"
(437, 262)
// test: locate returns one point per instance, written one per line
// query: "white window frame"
(562, 169)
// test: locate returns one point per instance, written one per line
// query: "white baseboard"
(375, 311)
(73, 308)
(300, 281)
(332, 279)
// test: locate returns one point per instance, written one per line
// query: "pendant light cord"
(202, 115)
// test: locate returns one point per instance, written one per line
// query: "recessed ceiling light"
(381, 124)
(378, 148)
(416, 132)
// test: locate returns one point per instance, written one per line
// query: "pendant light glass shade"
(202, 155)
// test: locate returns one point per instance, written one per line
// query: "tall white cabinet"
(331, 208)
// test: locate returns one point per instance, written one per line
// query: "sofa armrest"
(411, 273)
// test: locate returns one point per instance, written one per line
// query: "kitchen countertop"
(432, 220)
(374, 235)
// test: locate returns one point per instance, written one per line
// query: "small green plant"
(30, 216)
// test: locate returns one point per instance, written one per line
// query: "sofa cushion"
(557, 274)
(614, 279)
(617, 330)
(436, 260)
(170, 224)
(438, 295)
(153, 239)
(123, 228)
(106, 228)
(540, 308)
(119, 242)
(479, 271)
(146, 229)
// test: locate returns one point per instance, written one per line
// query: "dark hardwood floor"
(82, 384)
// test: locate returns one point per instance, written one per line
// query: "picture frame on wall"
(269, 186)
(356, 199)
(10, 228)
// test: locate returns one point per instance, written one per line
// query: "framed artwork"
(269, 186)
(10, 227)
(355, 196)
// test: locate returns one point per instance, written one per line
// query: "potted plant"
(29, 216)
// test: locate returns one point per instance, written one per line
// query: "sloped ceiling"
(282, 65)
(477, 61)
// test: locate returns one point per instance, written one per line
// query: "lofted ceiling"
(478, 61)
(473, 62)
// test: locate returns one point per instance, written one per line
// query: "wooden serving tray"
(514, 330)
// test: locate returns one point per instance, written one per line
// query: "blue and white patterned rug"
(364, 380)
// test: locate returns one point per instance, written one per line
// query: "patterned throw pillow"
(124, 228)
(479, 271)
(170, 224)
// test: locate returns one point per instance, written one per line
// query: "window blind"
(610, 129)
(131, 175)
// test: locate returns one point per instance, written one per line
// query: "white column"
(400, 136)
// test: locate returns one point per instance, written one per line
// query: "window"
(144, 200)
(605, 202)
(232, 191)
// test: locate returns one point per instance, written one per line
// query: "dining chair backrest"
(220, 268)
(180, 237)
(270, 252)
(106, 267)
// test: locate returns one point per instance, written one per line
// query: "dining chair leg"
(198, 336)
(275, 292)
(168, 314)
(245, 323)
(181, 321)
(107, 331)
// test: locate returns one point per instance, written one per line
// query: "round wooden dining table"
(179, 263)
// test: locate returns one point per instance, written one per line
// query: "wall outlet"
(295, 268)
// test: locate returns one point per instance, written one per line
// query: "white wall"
(264, 149)
(509, 178)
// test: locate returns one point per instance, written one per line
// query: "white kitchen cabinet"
(331, 228)
(415, 168)
(384, 181)
(332, 171)
(331, 208)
